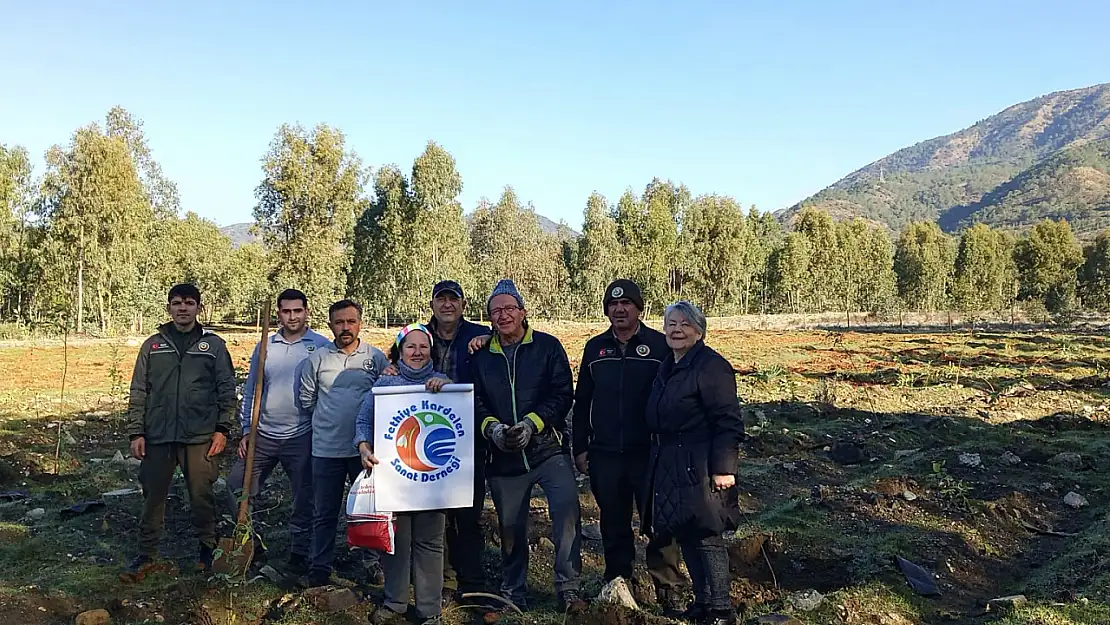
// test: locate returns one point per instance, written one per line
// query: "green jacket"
(182, 396)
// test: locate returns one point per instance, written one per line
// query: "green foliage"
(1047, 260)
(923, 264)
(1094, 274)
(310, 195)
(985, 274)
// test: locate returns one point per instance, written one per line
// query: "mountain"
(955, 173)
(1073, 184)
(548, 226)
(240, 233)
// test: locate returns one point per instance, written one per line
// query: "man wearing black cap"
(462, 561)
(610, 437)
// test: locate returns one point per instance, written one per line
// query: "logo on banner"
(425, 437)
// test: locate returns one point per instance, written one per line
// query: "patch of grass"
(1090, 613)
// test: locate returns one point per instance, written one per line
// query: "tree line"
(93, 243)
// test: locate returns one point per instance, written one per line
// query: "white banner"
(425, 443)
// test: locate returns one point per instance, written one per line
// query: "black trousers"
(619, 482)
(465, 543)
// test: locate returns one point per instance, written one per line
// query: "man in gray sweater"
(333, 383)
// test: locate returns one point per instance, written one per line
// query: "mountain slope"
(1073, 184)
(925, 180)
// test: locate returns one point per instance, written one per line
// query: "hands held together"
(508, 438)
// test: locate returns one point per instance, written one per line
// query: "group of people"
(655, 424)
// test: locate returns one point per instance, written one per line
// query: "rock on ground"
(1068, 460)
(618, 592)
(331, 600)
(971, 460)
(1011, 459)
(36, 514)
(1075, 500)
(1011, 601)
(806, 600)
(94, 617)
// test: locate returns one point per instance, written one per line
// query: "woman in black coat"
(693, 417)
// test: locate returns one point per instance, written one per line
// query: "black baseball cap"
(449, 286)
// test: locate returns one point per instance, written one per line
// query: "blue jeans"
(511, 496)
(329, 479)
(295, 457)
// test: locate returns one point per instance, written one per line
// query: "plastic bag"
(366, 527)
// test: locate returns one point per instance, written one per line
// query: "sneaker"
(142, 566)
(385, 616)
(670, 602)
(204, 558)
(571, 601)
(296, 565)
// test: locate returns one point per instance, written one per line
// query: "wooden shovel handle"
(256, 411)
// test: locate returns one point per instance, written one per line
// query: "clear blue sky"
(765, 101)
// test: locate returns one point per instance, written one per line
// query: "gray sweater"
(332, 387)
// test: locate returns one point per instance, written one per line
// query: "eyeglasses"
(504, 310)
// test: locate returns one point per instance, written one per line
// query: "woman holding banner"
(418, 553)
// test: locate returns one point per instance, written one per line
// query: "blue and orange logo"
(425, 438)
(425, 441)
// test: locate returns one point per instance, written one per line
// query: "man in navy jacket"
(462, 562)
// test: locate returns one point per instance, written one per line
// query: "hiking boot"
(375, 576)
(296, 565)
(571, 601)
(720, 617)
(142, 566)
(695, 613)
(319, 578)
(670, 602)
(385, 616)
(204, 558)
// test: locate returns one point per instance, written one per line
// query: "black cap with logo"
(447, 286)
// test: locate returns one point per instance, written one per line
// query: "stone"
(618, 592)
(1011, 459)
(546, 544)
(330, 599)
(67, 439)
(909, 496)
(94, 617)
(98, 414)
(591, 532)
(790, 466)
(123, 492)
(80, 423)
(134, 463)
(1012, 601)
(118, 458)
(971, 460)
(902, 453)
(1075, 500)
(1067, 460)
(778, 619)
(806, 600)
(35, 514)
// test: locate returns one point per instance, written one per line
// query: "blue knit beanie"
(505, 287)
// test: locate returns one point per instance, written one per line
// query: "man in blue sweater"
(284, 428)
(462, 561)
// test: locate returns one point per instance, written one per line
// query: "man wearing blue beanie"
(522, 393)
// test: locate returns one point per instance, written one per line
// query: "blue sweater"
(364, 425)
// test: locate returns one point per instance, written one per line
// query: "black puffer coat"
(694, 420)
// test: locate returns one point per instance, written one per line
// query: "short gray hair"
(692, 313)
